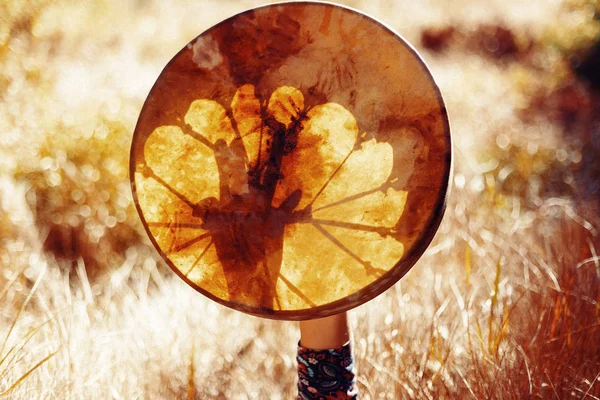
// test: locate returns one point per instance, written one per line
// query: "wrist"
(325, 333)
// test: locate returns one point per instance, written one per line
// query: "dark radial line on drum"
(178, 225)
(260, 138)
(269, 279)
(297, 291)
(233, 121)
(191, 242)
(329, 179)
(199, 257)
(173, 231)
(170, 188)
(277, 301)
(357, 227)
(190, 132)
(369, 268)
(348, 199)
(238, 137)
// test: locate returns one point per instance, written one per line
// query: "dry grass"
(505, 303)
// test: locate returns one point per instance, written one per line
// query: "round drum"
(293, 161)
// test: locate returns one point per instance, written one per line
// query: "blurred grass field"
(505, 304)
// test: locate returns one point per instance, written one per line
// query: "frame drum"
(292, 162)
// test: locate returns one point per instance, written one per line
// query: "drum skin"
(293, 161)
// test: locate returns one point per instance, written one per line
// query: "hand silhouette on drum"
(229, 190)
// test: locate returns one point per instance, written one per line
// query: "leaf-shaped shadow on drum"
(271, 205)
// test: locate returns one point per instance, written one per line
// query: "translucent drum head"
(293, 161)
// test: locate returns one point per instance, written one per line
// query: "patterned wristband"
(326, 374)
